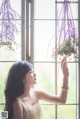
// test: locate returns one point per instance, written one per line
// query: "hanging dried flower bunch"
(68, 47)
(67, 41)
(8, 24)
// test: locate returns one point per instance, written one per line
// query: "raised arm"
(64, 89)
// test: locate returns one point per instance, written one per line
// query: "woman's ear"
(24, 80)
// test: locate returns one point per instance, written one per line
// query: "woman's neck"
(26, 92)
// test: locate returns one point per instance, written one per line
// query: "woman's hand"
(64, 67)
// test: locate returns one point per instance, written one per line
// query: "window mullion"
(79, 53)
(27, 30)
(23, 30)
(32, 32)
(56, 107)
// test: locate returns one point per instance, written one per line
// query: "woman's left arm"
(64, 90)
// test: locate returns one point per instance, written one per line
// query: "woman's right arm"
(17, 110)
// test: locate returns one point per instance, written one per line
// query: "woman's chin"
(33, 84)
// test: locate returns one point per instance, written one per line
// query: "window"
(36, 39)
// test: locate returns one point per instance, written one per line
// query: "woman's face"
(30, 78)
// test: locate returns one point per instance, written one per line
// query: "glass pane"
(12, 5)
(73, 82)
(10, 30)
(69, 0)
(3, 75)
(1, 109)
(18, 4)
(44, 9)
(11, 55)
(71, 11)
(45, 76)
(67, 112)
(73, 78)
(62, 36)
(44, 40)
(48, 111)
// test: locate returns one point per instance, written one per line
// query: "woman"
(21, 101)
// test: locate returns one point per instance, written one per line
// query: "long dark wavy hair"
(14, 84)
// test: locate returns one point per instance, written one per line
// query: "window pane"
(70, 13)
(69, 0)
(18, 5)
(3, 75)
(48, 111)
(11, 55)
(61, 34)
(13, 3)
(44, 9)
(67, 112)
(10, 27)
(44, 39)
(73, 82)
(1, 108)
(45, 76)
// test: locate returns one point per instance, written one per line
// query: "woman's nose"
(34, 74)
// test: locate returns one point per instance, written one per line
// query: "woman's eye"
(31, 72)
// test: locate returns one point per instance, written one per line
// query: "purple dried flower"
(9, 23)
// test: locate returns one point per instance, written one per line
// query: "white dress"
(32, 111)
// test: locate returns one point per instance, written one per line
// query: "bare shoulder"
(17, 104)
(17, 110)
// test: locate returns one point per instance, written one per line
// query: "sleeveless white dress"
(32, 111)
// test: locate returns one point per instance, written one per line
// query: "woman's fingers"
(63, 63)
(64, 67)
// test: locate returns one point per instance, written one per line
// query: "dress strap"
(35, 95)
(18, 99)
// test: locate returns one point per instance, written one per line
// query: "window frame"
(31, 58)
(27, 41)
